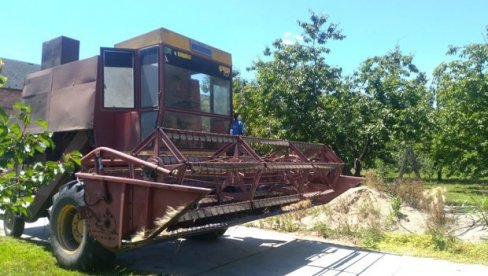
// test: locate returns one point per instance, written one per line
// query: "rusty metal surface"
(64, 96)
(124, 213)
(197, 181)
(174, 182)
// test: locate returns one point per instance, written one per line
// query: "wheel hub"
(70, 229)
(77, 228)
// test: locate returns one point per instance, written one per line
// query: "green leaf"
(3, 117)
(42, 123)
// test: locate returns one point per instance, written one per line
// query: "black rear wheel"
(71, 243)
(13, 224)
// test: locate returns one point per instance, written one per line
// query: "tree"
(359, 126)
(286, 100)
(399, 99)
(385, 105)
(3, 79)
(461, 89)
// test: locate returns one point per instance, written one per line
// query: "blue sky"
(424, 28)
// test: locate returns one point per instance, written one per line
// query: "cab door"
(116, 117)
(149, 76)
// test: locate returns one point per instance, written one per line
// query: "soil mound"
(363, 207)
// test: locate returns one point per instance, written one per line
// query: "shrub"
(432, 201)
(409, 191)
(396, 204)
(375, 181)
(440, 241)
(371, 237)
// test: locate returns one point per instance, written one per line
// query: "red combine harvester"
(152, 117)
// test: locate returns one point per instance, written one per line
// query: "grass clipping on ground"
(402, 217)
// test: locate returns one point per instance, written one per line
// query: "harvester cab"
(162, 79)
(152, 117)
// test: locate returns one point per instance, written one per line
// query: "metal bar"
(224, 167)
(249, 150)
(143, 183)
(121, 215)
(255, 184)
(123, 156)
(171, 147)
(156, 146)
(144, 143)
(266, 141)
(188, 135)
(298, 153)
(222, 150)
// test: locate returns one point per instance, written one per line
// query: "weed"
(440, 241)
(324, 230)
(371, 237)
(375, 181)
(480, 208)
(409, 191)
(433, 202)
(289, 222)
(396, 204)
(395, 213)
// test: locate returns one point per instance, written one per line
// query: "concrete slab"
(252, 251)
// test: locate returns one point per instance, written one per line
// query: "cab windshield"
(196, 93)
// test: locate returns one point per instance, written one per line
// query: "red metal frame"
(199, 183)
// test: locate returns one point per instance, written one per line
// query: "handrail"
(126, 157)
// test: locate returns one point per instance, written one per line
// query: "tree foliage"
(286, 100)
(3, 79)
(399, 102)
(381, 112)
(461, 87)
(21, 175)
(297, 95)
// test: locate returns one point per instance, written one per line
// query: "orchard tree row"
(385, 115)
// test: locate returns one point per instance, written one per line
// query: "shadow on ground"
(234, 255)
(252, 251)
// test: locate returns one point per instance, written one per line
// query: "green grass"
(459, 191)
(19, 257)
(23, 257)
(434, 245)
(462, 191)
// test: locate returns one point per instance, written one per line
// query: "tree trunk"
(357, 167)
(409, 157)
(357, 162)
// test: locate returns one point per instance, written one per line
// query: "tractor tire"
(71, 243)
(13, 224)
(209, 236)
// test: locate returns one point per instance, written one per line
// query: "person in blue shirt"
(237, 127)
